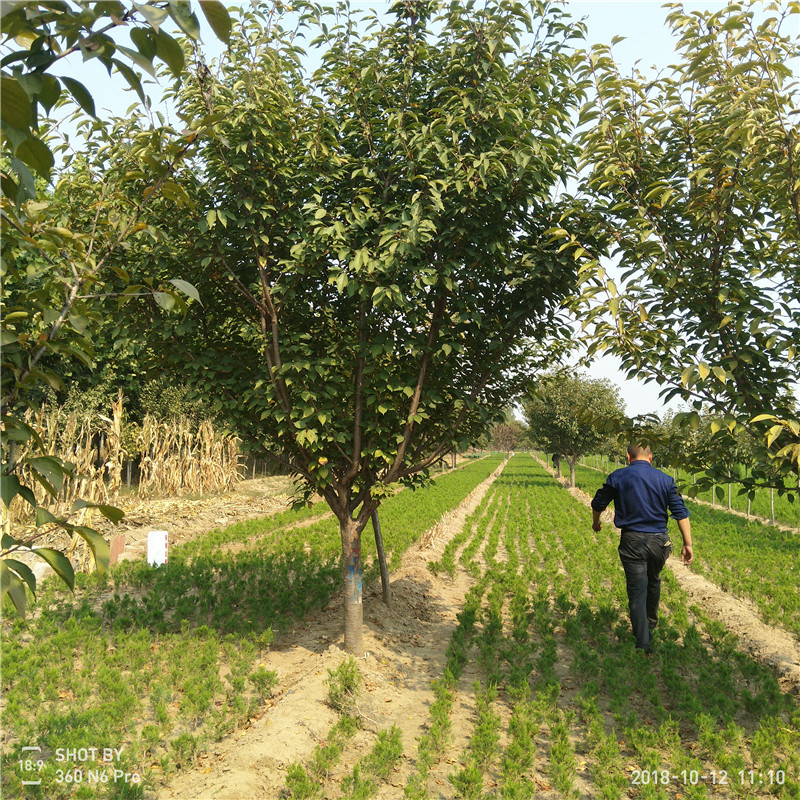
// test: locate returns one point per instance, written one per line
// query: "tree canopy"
(692, 177)
(370, 244)
(571, 415)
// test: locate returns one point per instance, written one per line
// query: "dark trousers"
(643, 556)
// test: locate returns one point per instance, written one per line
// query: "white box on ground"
(157, 548)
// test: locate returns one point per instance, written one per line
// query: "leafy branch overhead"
(38, 36)
(694, 186)
(63, 246)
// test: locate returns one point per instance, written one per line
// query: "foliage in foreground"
(694, 180)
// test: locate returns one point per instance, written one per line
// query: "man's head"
(640, 452)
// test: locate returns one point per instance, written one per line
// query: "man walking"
(643, 496)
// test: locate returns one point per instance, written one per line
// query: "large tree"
(571, 415)
(370, 244)
(694, 181)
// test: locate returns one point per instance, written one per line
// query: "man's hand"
(597, 526)
(687, 555)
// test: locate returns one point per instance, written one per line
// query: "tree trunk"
(351, 571)
(772, 505)
(572, 462)
(747, 475)
(387, 589)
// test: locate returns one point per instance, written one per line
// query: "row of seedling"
(315, 778)
(165, 661)
(557, 664)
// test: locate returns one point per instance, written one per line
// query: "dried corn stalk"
(182, 457)
(92, 444)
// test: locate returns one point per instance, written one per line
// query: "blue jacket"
(642, 497)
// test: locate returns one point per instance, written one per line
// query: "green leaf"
(14, 586)
(97, 544)
(145, 42)
(36, 154)
(50, 468)
(24, 572)
(43, 517)
(218, 18)
(139, 59)
(181, 12)
(109, 512)
(60, 564)
(703, 369)
(50, 92)
(170, 52)
(165, 300)
(9, 489)
(131, 77)
(15, 109)
(187, 288)
(154, 16)
(79, 322)
(81, 94)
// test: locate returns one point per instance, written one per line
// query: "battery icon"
(38, 764)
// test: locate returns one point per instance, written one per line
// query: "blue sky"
(647, 44)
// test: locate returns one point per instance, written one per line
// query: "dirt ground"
(404, 651)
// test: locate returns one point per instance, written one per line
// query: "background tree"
(507, 435)
(370, 245)
(695, 183)
(570, 415)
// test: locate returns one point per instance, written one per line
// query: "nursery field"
(504, 668)
(162, 662)
(744, 557)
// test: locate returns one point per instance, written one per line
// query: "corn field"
(180, 457)
(176, 457)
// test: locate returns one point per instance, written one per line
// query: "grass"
(563, 705)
